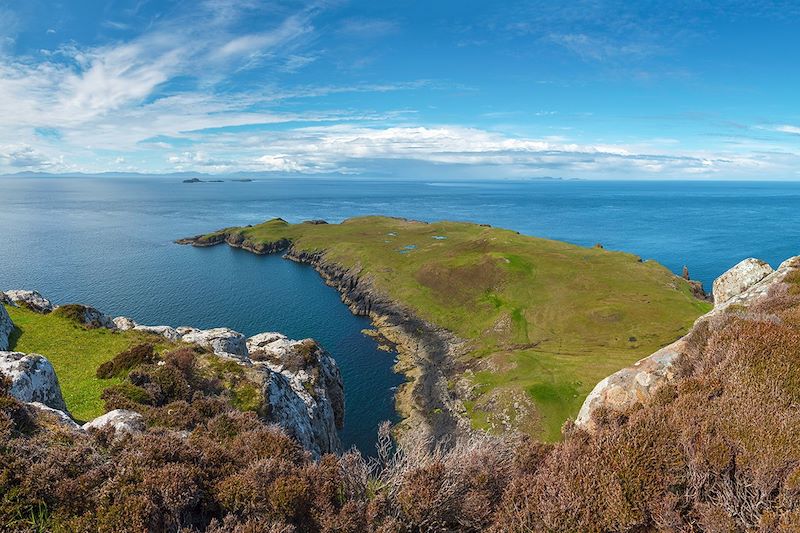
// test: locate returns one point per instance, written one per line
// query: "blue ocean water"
(108, 242)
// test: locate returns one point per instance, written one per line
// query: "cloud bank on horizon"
(448, 89)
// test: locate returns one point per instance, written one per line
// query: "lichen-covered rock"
(223, 341)
(638, 383)
(739, 278)
(165, 331)
(122, 420)
(303, 390)
(48, 416)
(30, 299)
(33, 379)
(6, 327)
(124, 323)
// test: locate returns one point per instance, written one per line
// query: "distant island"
(198, 180)
(495, 330)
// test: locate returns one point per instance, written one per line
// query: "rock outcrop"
(302, 389)
(300, 383)
(33, 379)
(124, 323)
(743, 285)
(222, 341)
(30, 299)
(167, 332)
(6, 327)
(122, 420)
(739, 278)
(54, 417)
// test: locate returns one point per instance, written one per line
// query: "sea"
(108, 242)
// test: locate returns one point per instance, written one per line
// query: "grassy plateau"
(544, 320)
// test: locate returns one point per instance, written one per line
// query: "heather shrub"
(122, 362)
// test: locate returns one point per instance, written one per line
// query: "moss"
(126, 391)
(246, 397)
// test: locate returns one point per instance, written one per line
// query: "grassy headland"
(75, 352)
(544, 320)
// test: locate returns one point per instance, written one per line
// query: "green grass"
(555, 318)
(75, 353)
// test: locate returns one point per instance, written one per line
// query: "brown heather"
(718, 450)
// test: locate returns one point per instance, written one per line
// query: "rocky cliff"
(426, 351)
(301, 386)
(748, 283)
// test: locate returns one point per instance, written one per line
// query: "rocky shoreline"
(426, 352)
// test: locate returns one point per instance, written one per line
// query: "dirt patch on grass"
(461, 284)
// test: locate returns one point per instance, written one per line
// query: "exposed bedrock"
(33, 379)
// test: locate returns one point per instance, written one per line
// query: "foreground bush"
(717, 450)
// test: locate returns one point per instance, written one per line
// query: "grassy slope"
(548, 318)
(75, 353)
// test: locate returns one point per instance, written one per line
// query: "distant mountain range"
(201, 176)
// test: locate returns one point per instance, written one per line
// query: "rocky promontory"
(426, 351)
(299, 384)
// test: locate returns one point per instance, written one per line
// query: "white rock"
(59, 417)
(223, 341)
(33, 379)
(739, 278)
(6, 327)
(31, 299)
(165, 331)
(124, 323)
(122, 420)
(269, 345)
(307, 400)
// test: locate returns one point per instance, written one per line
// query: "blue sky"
(446, 89)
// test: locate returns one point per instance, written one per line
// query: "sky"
(403, 89)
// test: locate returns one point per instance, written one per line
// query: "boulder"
(739, 278)
(165, 331)
(6, 327)
(94, 318)
(54, 417)
(33, 379)
(223, 341)
(122, 420)
(124, 323)
(268, 346)
(30, 299)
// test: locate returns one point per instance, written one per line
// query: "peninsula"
(495, 330)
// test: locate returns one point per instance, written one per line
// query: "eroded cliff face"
(426, 351)
(300, 383)
(749, 282)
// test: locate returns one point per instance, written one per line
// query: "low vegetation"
(717, 450)
(544, 320)
(76, 352)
